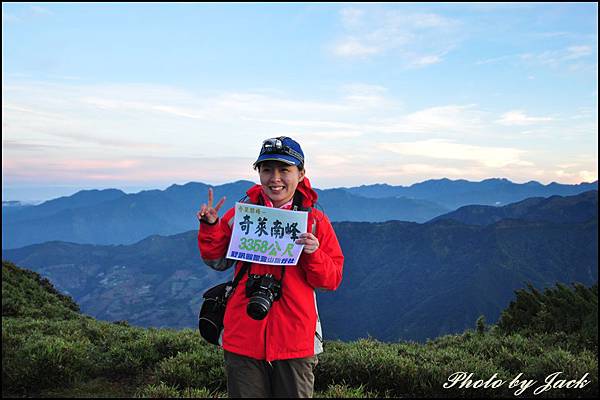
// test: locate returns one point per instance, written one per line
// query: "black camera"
(262, 290)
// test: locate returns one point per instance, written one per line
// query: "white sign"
(266, 235)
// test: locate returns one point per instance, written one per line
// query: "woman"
(275, 356)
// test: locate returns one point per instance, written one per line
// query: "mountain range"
(559, 209)
(457, 193)
(111, 216)
(402, 280)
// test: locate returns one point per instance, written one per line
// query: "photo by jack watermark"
(556, 380)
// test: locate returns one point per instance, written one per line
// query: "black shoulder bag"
(210, 319)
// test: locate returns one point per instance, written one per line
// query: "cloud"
(55, 130)
(418, 39)
(561, 57)
(423, 169)
(15, 145)
(356, 137)
(308, 124)
(577, 176)
(9, 17)
(154, 121)
(40, 10)
(495, 60)
(427, 60)
(519, 118)
(442, 119)
(110, 170)
(569, 57)
(493, 157)
(352, 47)
(351, 17)
(364, 96)
(107, 104)
(575, 52)
(239, 103)
(553, 35)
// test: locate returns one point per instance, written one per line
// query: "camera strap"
(237, 278)
(282, 271)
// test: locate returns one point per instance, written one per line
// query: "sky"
(145, 95)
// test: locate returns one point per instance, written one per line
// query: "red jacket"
(291, 328)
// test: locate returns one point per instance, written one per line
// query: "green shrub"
(47, 361)
(160, 391)
(48, 354)
(341, 391)
(411, 369)
(558, 309)
(480, 325)
(197, 369)
(169, 342)
(378, 366)
(26, 294)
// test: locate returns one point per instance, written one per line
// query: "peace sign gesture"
(208, 213)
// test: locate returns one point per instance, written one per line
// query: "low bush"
(46, 354)
(198, 369)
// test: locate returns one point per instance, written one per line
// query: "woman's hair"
(300, 167)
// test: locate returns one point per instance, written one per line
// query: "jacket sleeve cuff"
(312, 257)
(205, 222)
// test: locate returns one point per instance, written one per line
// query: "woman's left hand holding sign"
(310, 242)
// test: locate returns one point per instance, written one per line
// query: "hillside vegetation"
(424, 280)
(50, 349)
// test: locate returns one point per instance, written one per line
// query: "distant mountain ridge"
(401, 279)
(559, 209)
(456, 193)
(14, 203)
(81, 199)
(113, 217)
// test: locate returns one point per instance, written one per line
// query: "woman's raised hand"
(208, 213)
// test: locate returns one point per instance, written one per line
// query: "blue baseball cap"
(282, 149)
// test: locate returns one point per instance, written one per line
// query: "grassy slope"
(49, 349)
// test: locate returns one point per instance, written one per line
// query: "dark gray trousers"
(247, 377)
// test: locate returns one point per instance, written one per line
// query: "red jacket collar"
(309, 196)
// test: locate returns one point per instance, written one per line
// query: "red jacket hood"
(309, 196)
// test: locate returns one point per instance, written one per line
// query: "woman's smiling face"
(279, 180)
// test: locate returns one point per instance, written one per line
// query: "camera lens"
(259, 305)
